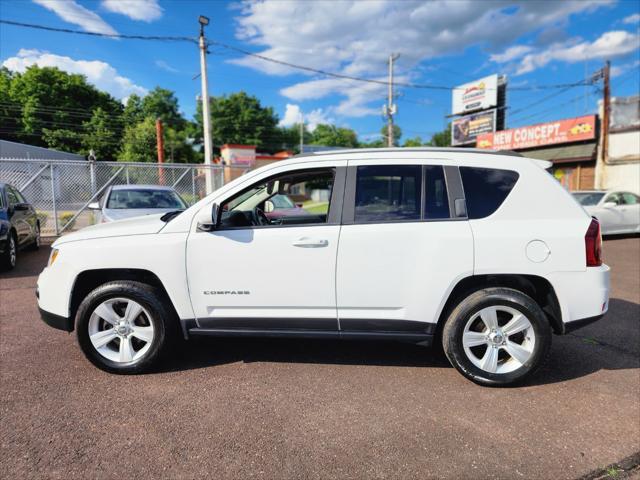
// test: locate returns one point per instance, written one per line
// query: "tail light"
(593, 244)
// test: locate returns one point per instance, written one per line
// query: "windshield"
(145, 198)
(588, 198)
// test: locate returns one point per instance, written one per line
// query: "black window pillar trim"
(455, 191)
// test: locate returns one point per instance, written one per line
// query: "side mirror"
(609, 204)
(94, 206)
(210, 224)
(21, 207)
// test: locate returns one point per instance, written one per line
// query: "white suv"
(485, 252)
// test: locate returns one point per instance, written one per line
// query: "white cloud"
(356, 37)
(100, 74)
(608, 45)
(510, 53)
(631, 19)
(72, 12)
(617, 70)
(145, 10)
(293, 114)
(165, 66)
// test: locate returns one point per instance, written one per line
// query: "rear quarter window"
(485, 189)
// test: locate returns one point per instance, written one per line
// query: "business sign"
(478, 95)
(465, 130)
(561, 131)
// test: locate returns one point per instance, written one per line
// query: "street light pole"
(206, 116)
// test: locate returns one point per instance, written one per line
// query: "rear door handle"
(306, 242)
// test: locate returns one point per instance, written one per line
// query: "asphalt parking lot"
(313, 409)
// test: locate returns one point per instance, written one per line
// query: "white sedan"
(617, 212)
(126, 201)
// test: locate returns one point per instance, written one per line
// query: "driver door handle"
(306, 242)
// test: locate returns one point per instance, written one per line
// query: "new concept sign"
(561, 131)
(465, 130)
(478, 95)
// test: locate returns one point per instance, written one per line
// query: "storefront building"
(569, 144)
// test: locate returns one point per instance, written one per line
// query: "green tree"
(139, 142)
(441, 139)
(241, 118)
(54, 103)
(162, 103)
(413, 142)
(100, 136)
(290, 137)
(10, 110)
(132, 113)
(332, 136)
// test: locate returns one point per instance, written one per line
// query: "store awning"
(571, 153)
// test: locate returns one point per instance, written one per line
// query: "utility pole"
(606, 105)
(390, 108)
(301, 133)
(160, 145)
(206, 116)
(603, 157)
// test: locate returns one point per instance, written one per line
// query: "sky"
(444, 43)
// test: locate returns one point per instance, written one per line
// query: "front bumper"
(56, 321)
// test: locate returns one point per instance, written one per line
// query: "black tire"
(7, 259)
(35, 245)
(162, 318)
(474, 303)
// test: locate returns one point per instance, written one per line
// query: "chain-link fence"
(61, 191)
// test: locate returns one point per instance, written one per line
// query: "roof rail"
(508, 153)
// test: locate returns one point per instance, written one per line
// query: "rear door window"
(436, 200)
(388, 193)
(486, 189)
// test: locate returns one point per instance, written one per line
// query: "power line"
(99, 34)
(279, 62)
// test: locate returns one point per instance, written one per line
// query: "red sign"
(561, 131)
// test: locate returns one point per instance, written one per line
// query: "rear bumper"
(583, 296)
(576, 324)
(56, 321)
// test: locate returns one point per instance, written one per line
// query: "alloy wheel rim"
(498, 339)
(121, 330)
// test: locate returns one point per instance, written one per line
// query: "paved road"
(306, 409)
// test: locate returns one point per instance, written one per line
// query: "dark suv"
(19, 225)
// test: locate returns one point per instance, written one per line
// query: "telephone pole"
(206, 116)
(390, 108)
(606, 105)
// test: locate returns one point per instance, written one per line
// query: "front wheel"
(497, 337)
(124, 327)
(10, 254)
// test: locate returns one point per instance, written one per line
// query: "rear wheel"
(124, 327)
(10, 255)
(497, 337)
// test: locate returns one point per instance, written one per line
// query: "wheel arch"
(538, 288)
(88, 280)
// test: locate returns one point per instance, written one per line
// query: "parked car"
(127, 201)
(19, 226)
(618, 212)
(482, 251)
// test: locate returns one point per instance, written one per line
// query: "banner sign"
(465, 130)
(561, 131)
(478, 95)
